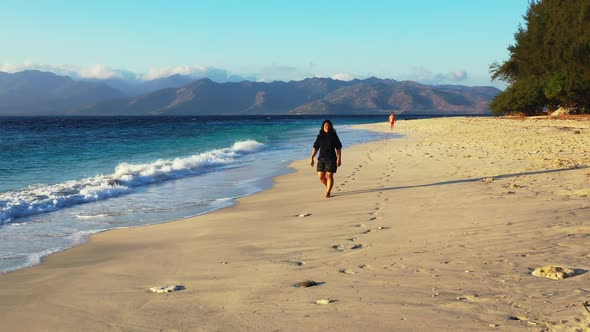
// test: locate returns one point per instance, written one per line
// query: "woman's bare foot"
(327, 195)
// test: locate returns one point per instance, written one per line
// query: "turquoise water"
(62, 179)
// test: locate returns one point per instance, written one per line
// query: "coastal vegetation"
(549, 63)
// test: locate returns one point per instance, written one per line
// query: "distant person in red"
(329, 159)
(391, 121)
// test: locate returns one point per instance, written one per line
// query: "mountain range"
(42, 93)
(133, 88)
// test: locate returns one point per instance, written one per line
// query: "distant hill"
(309, 96)
(34, 92)
(42, 93)
(132, 88)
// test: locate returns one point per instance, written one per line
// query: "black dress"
(327, 144)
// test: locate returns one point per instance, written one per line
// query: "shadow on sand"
(442, 183)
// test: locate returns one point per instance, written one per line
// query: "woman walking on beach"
(329, 159)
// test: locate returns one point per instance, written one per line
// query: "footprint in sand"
(338, 247)
(468, 297)
(375, 229)
(366, 267)
(358, 246)
(374, 213)
(308, 283)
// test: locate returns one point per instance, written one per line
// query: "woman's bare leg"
(329, 183)
(323, 179)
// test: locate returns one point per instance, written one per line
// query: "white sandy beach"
(437, 230)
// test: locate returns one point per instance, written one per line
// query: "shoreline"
(261, 181)
(435, 239)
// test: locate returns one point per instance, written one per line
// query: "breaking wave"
(46, 198)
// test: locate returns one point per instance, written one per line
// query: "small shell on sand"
(554, 272)
(166, 288)
(304, 215)
(324, 301)
(347, 271)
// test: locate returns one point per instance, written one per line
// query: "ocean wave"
(96, 216)
(46, 198)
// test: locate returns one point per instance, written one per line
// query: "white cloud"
(459, 75)
(424, 75)
(99, 72)
(262, 74)
(96, 71)
(215, 74)
(103, 72)
(344, 77)
(155, 73)
(65, 70)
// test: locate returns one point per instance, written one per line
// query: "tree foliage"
(549, 63)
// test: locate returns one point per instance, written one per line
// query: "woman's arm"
(311, 161)
(339, 157)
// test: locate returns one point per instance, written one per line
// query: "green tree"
(555, 90)
(551, 54)
(524, 96)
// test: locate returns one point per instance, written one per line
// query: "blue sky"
(429, 41)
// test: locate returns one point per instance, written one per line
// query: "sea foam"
(46, 198)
